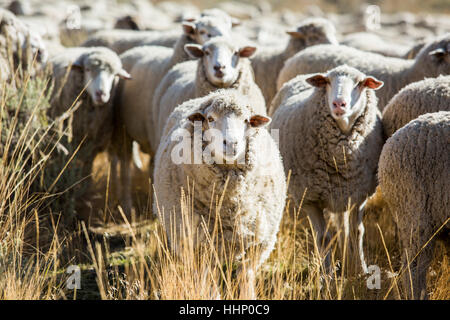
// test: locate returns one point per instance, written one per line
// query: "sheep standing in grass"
(426, 96)
(432, 61)
(221, 64)
(268, 63)
(244, 166)
(147, 65)
(414, 177)
(330, 136)
(97, 70)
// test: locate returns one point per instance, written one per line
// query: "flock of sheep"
(352, 111)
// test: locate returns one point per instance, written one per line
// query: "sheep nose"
(99, 94)
(219, 67)
(339, 103)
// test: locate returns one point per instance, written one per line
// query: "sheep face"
(227, 128)
(220, 60)
(205, 28)
(434, 59)
(345, 93)
(99, 76)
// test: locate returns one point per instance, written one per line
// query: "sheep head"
(345, 93)
(220, 60)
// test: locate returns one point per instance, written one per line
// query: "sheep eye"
(210, 119)
(207, 53)
(209, 35)
(202, 32)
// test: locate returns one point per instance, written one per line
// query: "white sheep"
(120, 40)
(268, 62)
(330, 136)
(432, 60)
(414, 178)
(97, 70)
(244, 166)
(16, 37)
(372, 42)
(195, 30)
(221, 64)
(426, 96)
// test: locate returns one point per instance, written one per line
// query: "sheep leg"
(415, 282)
(361, 231)
(151, 169)
(113, 160)
(247, 289)
(125, 175)
(214, 290)
(317, 219)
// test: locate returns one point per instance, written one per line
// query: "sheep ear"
(372, 83)
(194, 50)
(257, 121)
(188, 28)
(196, 117)
(124, 75)
(247, 52)
(129, 20)
(318, 80)
(295, 34)
(439, 52)
(235, 22)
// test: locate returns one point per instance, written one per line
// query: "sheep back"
(427, 96)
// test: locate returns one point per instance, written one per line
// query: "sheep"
(367, 41)
(143, 16)
(412, 52)
(20, 8)
(96, 69)
(221, 64)
(246, 169)
(268, 63)
(414, 179)
(16, 37)
(331, 147)
(417, 98)
(122, 40)
(196, 30)
(432, 60)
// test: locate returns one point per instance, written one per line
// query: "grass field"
(51, 219)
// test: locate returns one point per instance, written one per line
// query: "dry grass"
(126, 256)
